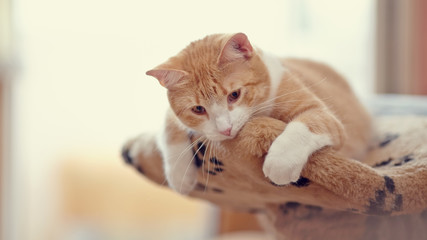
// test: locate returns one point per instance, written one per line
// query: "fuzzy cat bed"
(382, 197)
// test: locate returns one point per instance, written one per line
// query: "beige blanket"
(382, 197)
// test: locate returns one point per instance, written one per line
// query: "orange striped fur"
(204, 79)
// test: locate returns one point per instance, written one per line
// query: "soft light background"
(81, 92)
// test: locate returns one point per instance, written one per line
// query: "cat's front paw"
(290, 151)
(284, 163)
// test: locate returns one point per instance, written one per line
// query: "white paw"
(180, 169)
(283, 164)
(290, 151)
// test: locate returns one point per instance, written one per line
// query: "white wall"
(82, 86)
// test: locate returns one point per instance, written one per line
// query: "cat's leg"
(177, 154)
(305, 134)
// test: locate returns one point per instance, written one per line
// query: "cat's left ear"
(167, 77)
(237, 47)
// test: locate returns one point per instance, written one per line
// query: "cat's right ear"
(237, 47)
(167, 77)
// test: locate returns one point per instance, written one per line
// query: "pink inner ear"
(167, 77)
(237, 47)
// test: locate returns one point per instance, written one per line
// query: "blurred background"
(73, 89)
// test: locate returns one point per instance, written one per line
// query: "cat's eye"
(232, 97)
(198, 110)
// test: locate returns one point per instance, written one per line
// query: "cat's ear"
(167, 77)
(237, 47)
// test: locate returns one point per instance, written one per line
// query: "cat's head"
(215, 85)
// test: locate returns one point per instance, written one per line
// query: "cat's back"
(323, 81)
(318, 76)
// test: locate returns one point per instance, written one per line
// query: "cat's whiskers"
(205, 144)
(189, 147)
(212, 153)
(219, 166)
(296, 91)
(211, 146)
(209, 155)
(280, 106)
(215, 148)
(194, 155)
(268, 105)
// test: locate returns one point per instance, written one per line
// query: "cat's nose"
(226, 132)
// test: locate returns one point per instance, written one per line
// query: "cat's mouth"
(222, 136)
(219, 137)
(221, 133)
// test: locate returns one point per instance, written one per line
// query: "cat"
(218, 83)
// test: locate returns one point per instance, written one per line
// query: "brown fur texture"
(317, 104)
(384, 196)
(208, 70)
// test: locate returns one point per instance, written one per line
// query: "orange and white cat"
(216, 84)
